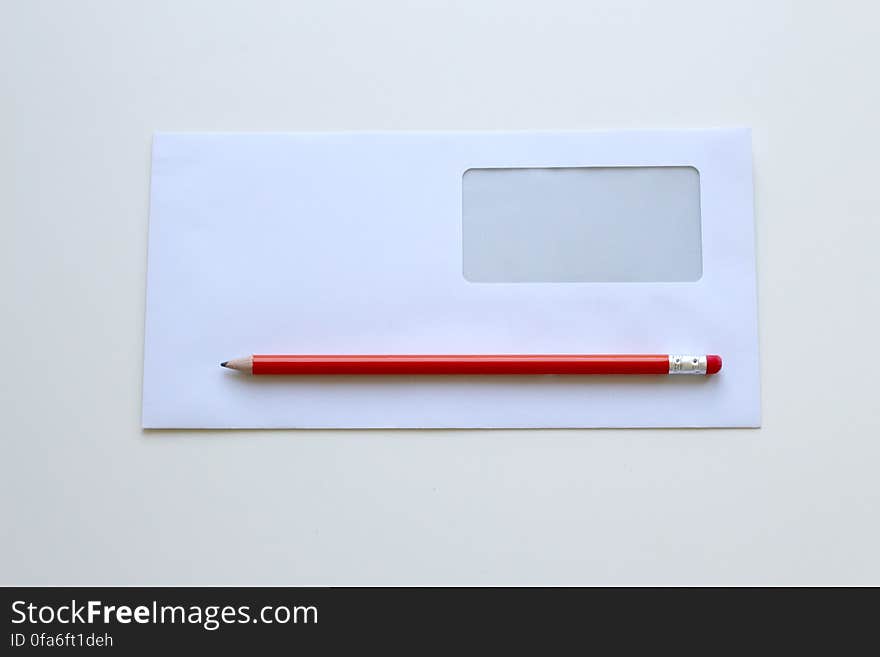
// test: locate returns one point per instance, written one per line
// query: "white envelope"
(455, 243)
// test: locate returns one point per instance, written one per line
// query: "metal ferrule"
(681, 364)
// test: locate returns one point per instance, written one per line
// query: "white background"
(88, 498)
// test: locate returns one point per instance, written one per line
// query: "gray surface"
(584, 224)
(87, 497)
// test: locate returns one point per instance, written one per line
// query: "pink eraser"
(713, 364)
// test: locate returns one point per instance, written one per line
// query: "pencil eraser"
(713, 364)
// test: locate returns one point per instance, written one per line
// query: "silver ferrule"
(680, 364)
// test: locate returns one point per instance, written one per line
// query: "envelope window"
(582, 224)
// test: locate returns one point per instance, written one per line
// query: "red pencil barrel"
(460, 364)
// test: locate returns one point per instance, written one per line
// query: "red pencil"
(476, 364)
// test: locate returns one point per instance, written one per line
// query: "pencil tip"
(223, 364)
